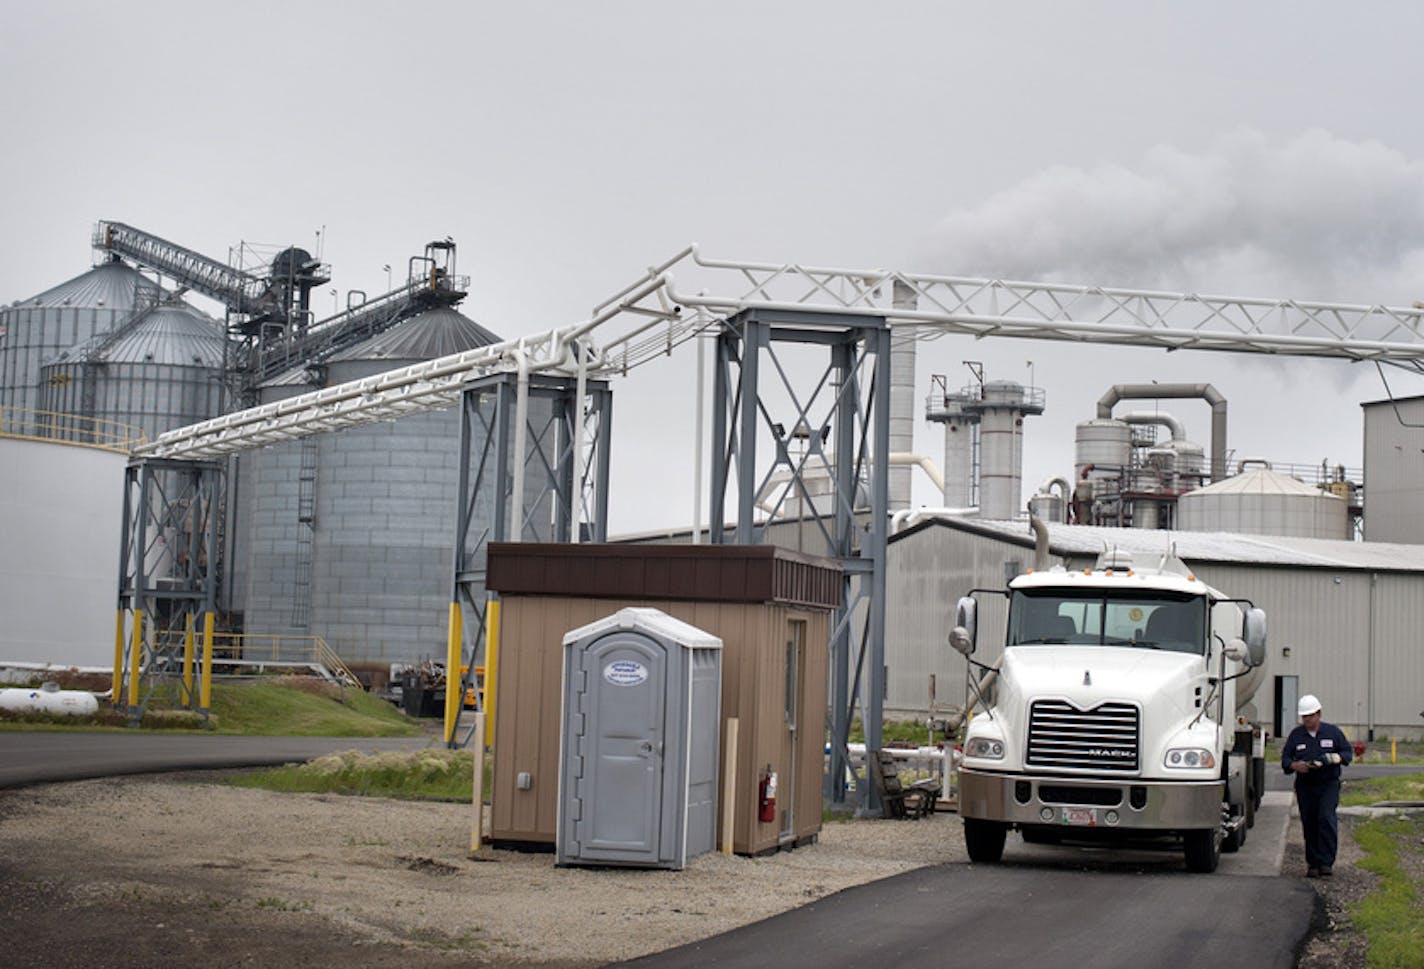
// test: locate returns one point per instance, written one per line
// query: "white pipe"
(1047, 487)
(1174, 427)
(521, 416)
(576, 492)
(912, 516)
(923, 462)
(697, 440)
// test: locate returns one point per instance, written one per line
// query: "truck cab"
(1119, 711)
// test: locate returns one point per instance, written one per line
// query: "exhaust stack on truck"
(1119, 711)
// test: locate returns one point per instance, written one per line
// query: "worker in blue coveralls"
(1314, 752)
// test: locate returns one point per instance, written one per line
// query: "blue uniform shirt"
(1300, 745)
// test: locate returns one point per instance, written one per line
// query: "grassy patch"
(1372, 790)
(1391, 917)
(298, 707)
(432, 775)
(291, 706)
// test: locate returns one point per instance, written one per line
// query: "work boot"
(1312, 873)
(1325, 871)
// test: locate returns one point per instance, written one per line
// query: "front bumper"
(1131, 804)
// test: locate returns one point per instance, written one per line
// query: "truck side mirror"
(966, 614)
(962, 642)
(1255, 636)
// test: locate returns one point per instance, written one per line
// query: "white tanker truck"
(1119, 712)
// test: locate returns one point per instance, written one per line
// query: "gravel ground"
(130, 872)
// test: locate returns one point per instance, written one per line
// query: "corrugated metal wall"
(1394, 466)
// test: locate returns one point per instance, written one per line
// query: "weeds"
(437, 775)
(1391, 916)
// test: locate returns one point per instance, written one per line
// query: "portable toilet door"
(632, 688)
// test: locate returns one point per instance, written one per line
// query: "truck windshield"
(1098, 618)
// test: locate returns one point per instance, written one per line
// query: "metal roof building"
(1346, 619)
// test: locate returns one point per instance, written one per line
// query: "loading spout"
(1204, 392)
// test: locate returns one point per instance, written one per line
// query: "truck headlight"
(1189, 758)
(984, 747)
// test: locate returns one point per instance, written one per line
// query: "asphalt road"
(1005, 916)
(34, 757)
(1044, 905)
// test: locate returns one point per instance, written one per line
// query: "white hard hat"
(1308, 705)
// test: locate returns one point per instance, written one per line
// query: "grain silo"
(348, 535)
(1264, 502)
(161, 369)
(36, 329)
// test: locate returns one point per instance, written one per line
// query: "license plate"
(1080, 816)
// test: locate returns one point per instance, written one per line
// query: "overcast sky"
(1265, 149)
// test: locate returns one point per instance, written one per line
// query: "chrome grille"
(1103, 738)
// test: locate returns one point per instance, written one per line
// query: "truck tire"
(1202, 849)
(985, 840)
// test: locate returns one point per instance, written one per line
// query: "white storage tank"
(1103, 443)
(1264, 502)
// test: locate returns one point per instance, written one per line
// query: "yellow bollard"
(491, 665)
(118, 687)
(1393, 749)
(205, 687)
(452, 670)
(188, 662)
(135, 652)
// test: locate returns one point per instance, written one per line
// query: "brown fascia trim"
(698, 573)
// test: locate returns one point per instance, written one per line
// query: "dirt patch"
(151, 872)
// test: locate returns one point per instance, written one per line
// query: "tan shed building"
(772, 610)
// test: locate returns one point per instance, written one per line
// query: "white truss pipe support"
(697, 427)
(648, 319)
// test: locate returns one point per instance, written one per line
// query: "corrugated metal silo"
(1264, 502)
(37, 328)
(162, 369)
(349, 535)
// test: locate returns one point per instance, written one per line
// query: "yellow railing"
(45, 425)
(249, 652)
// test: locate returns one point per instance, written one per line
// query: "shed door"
(623, 769)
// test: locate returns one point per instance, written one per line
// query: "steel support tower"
(844, 417)
(168, 580)
(533, 466)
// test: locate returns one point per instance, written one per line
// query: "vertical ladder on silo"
(306, 527)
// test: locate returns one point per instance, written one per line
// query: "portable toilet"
(639, 742)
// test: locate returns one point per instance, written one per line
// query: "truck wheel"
(985, 840)
(1202, 849)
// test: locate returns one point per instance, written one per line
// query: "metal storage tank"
(37, 328)
(639, 742)
(1103, 443)
(1264, 502)
(348, 535)
(1002, 406)
(160, 370)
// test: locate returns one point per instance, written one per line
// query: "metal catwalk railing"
(43, 425)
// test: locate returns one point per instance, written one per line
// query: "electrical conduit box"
(638, 751)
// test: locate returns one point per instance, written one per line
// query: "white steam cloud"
(1314, 218)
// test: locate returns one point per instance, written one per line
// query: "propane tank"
(49, 698)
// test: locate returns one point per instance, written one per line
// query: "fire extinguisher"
(766, 795)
